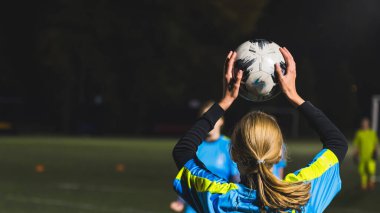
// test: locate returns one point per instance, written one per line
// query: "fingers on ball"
(228, 77)
(228, 58)
(279, 70)
(238, 79)
(229, 55)
(239, 76)
(232, 60)
(291, 64)
(291, 56)
(286, 55)
(228, 73)
(230, 65)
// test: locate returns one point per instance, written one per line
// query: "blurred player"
(215, 154)
(365, 153)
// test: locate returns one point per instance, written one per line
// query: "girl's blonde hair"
(256, 146)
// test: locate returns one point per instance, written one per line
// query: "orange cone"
(120, 168)
(39, 168)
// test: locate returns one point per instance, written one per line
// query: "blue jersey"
(207, 192)
(277, 167)
(216, 157)
(281, 164)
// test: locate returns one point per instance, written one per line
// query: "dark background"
(132, 67)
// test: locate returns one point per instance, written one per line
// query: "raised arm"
(187, 146)
(330, 135)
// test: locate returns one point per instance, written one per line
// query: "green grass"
(80, 175)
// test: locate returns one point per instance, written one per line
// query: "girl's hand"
(230, 87)
(288, 81)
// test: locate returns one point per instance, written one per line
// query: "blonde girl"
(256, 146)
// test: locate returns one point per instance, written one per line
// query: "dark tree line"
(126, 66)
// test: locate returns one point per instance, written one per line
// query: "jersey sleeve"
(234, 169)
(281, 164)
(323, 175)
(234, 173)
(199, 187)
(283, 161)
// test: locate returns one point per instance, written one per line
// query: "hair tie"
(260, 161)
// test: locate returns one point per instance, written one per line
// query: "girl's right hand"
(288, 81)
(230, 87)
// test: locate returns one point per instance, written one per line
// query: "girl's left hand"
(230, 87)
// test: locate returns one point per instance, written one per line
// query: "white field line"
(63, 203)
(101, 188)
(92, 188)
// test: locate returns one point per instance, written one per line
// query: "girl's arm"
(187, 146)
(323, 172)
(331, 137)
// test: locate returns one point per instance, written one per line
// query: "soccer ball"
(257, 59)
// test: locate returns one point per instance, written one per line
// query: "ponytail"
(256, 146)
(277, 194)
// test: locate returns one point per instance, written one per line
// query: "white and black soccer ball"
(257, 59)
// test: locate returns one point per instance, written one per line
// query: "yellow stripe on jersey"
(202, 184)
(316, 169)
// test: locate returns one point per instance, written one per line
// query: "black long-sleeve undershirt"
(187, 146)
(330, 135)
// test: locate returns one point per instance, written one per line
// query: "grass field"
(80, 176)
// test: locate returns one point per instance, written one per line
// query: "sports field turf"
(80, 175)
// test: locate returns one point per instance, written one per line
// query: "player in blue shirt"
(214, 152)
(278, 168)
(256, 145)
